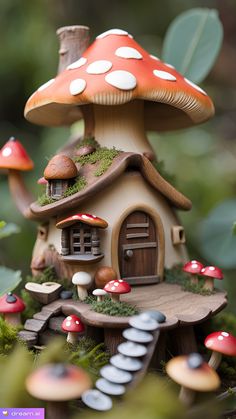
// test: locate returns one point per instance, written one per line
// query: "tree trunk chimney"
(73, 42)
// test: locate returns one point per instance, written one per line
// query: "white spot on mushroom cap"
(68, 324)
(77, 86)
(120, 280)
(112, 32)
(128, 52)
(164, 75)
(77, 322)
(7, 152)
(77, 64)
(116, 284)
(113, 288)
(195, 86)
(194, 265)
(69, 318)
(121, 79)
(85, 217)
(170, 66)
(45, 85)
(225, 334)
(209, 343)
(99, 67)
(154, 57)
(220, 337)
(211, 268)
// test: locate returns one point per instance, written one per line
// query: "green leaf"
(9, 279)
(8, 229)
(192, 42)
(217, 239)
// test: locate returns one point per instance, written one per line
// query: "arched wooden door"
(138, 249)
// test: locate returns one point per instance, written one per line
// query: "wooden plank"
(139, 245)
(137, 225)
(136, 235)
(136, 280)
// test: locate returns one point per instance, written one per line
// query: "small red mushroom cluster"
(210, 273)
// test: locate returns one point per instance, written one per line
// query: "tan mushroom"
(100, 294)
(82, 280)
(61, 170)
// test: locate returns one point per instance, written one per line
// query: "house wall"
(127, 191)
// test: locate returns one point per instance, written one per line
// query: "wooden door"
(138, 249)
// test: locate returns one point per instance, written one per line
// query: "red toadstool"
(221, 343)
(117, 287)
(194, 268)
(14, 158)
(73, 325)
(11, 306)
(89, 219)
(115, 70)
(211, 273)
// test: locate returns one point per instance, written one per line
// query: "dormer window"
(80, 239)
(60, 173)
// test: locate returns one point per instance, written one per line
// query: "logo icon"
(5, 413)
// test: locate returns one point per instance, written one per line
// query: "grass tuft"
(78, 186)
(111, 308)
(103, 155)
(176, 275)
(44, 200)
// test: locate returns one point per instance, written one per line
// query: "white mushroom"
(110, 388)
(83, 280)
(100, 294)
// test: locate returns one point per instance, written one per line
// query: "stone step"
(30, 338)
(35, 325)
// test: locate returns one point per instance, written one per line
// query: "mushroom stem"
(57, 410)
(122, 125)
(13, 318)
(194, 279)
(215, 360)
(209, 284)
(20, 194)
(115, 297)
(82, 292)
(72, 338)
(186, 396)
(73, 42)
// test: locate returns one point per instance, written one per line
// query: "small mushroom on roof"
(116, 288)
(126, 363)
(114, 70)
(60, 167)
(88, 219)
(100, 294)
(210, 273)
(194, 268)
(97, 400)
(193, 374)
(136, 335)
(110, 388)
(13, 156)
(221, 343)
(11, 306)
(83, 280)
(57, 383)
(144, 322)
(115, 375)
(73, 325)
(132, 349)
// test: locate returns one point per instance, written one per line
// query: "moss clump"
(111, 308)
(8, 337)
(176, 275)
(76, 187)
(44, 200)
(103, 155)
(88, 141)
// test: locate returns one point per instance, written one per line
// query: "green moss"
(111, 308)
(44, 200)
(176, 275)
(78, 186)
(103, 155)
(8, 336)
(88, 141)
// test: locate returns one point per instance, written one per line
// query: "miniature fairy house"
(60, 174)
(121, 92)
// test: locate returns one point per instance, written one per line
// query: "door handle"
(128, 254)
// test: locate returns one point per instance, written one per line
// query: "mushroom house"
(107, 219)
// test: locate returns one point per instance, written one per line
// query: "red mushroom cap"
(222, 342)
(114, 70)
(83, 218)
(72, 323)
(193, 267)
(118, 286)
(212, 271)
(10, 303)
(13, 156)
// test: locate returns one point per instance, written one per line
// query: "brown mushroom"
(133, 90)
(57, 384)
(14, 158)
(60, 173)
(103, 275)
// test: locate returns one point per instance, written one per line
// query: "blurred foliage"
(8, 336)
(192, 43)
